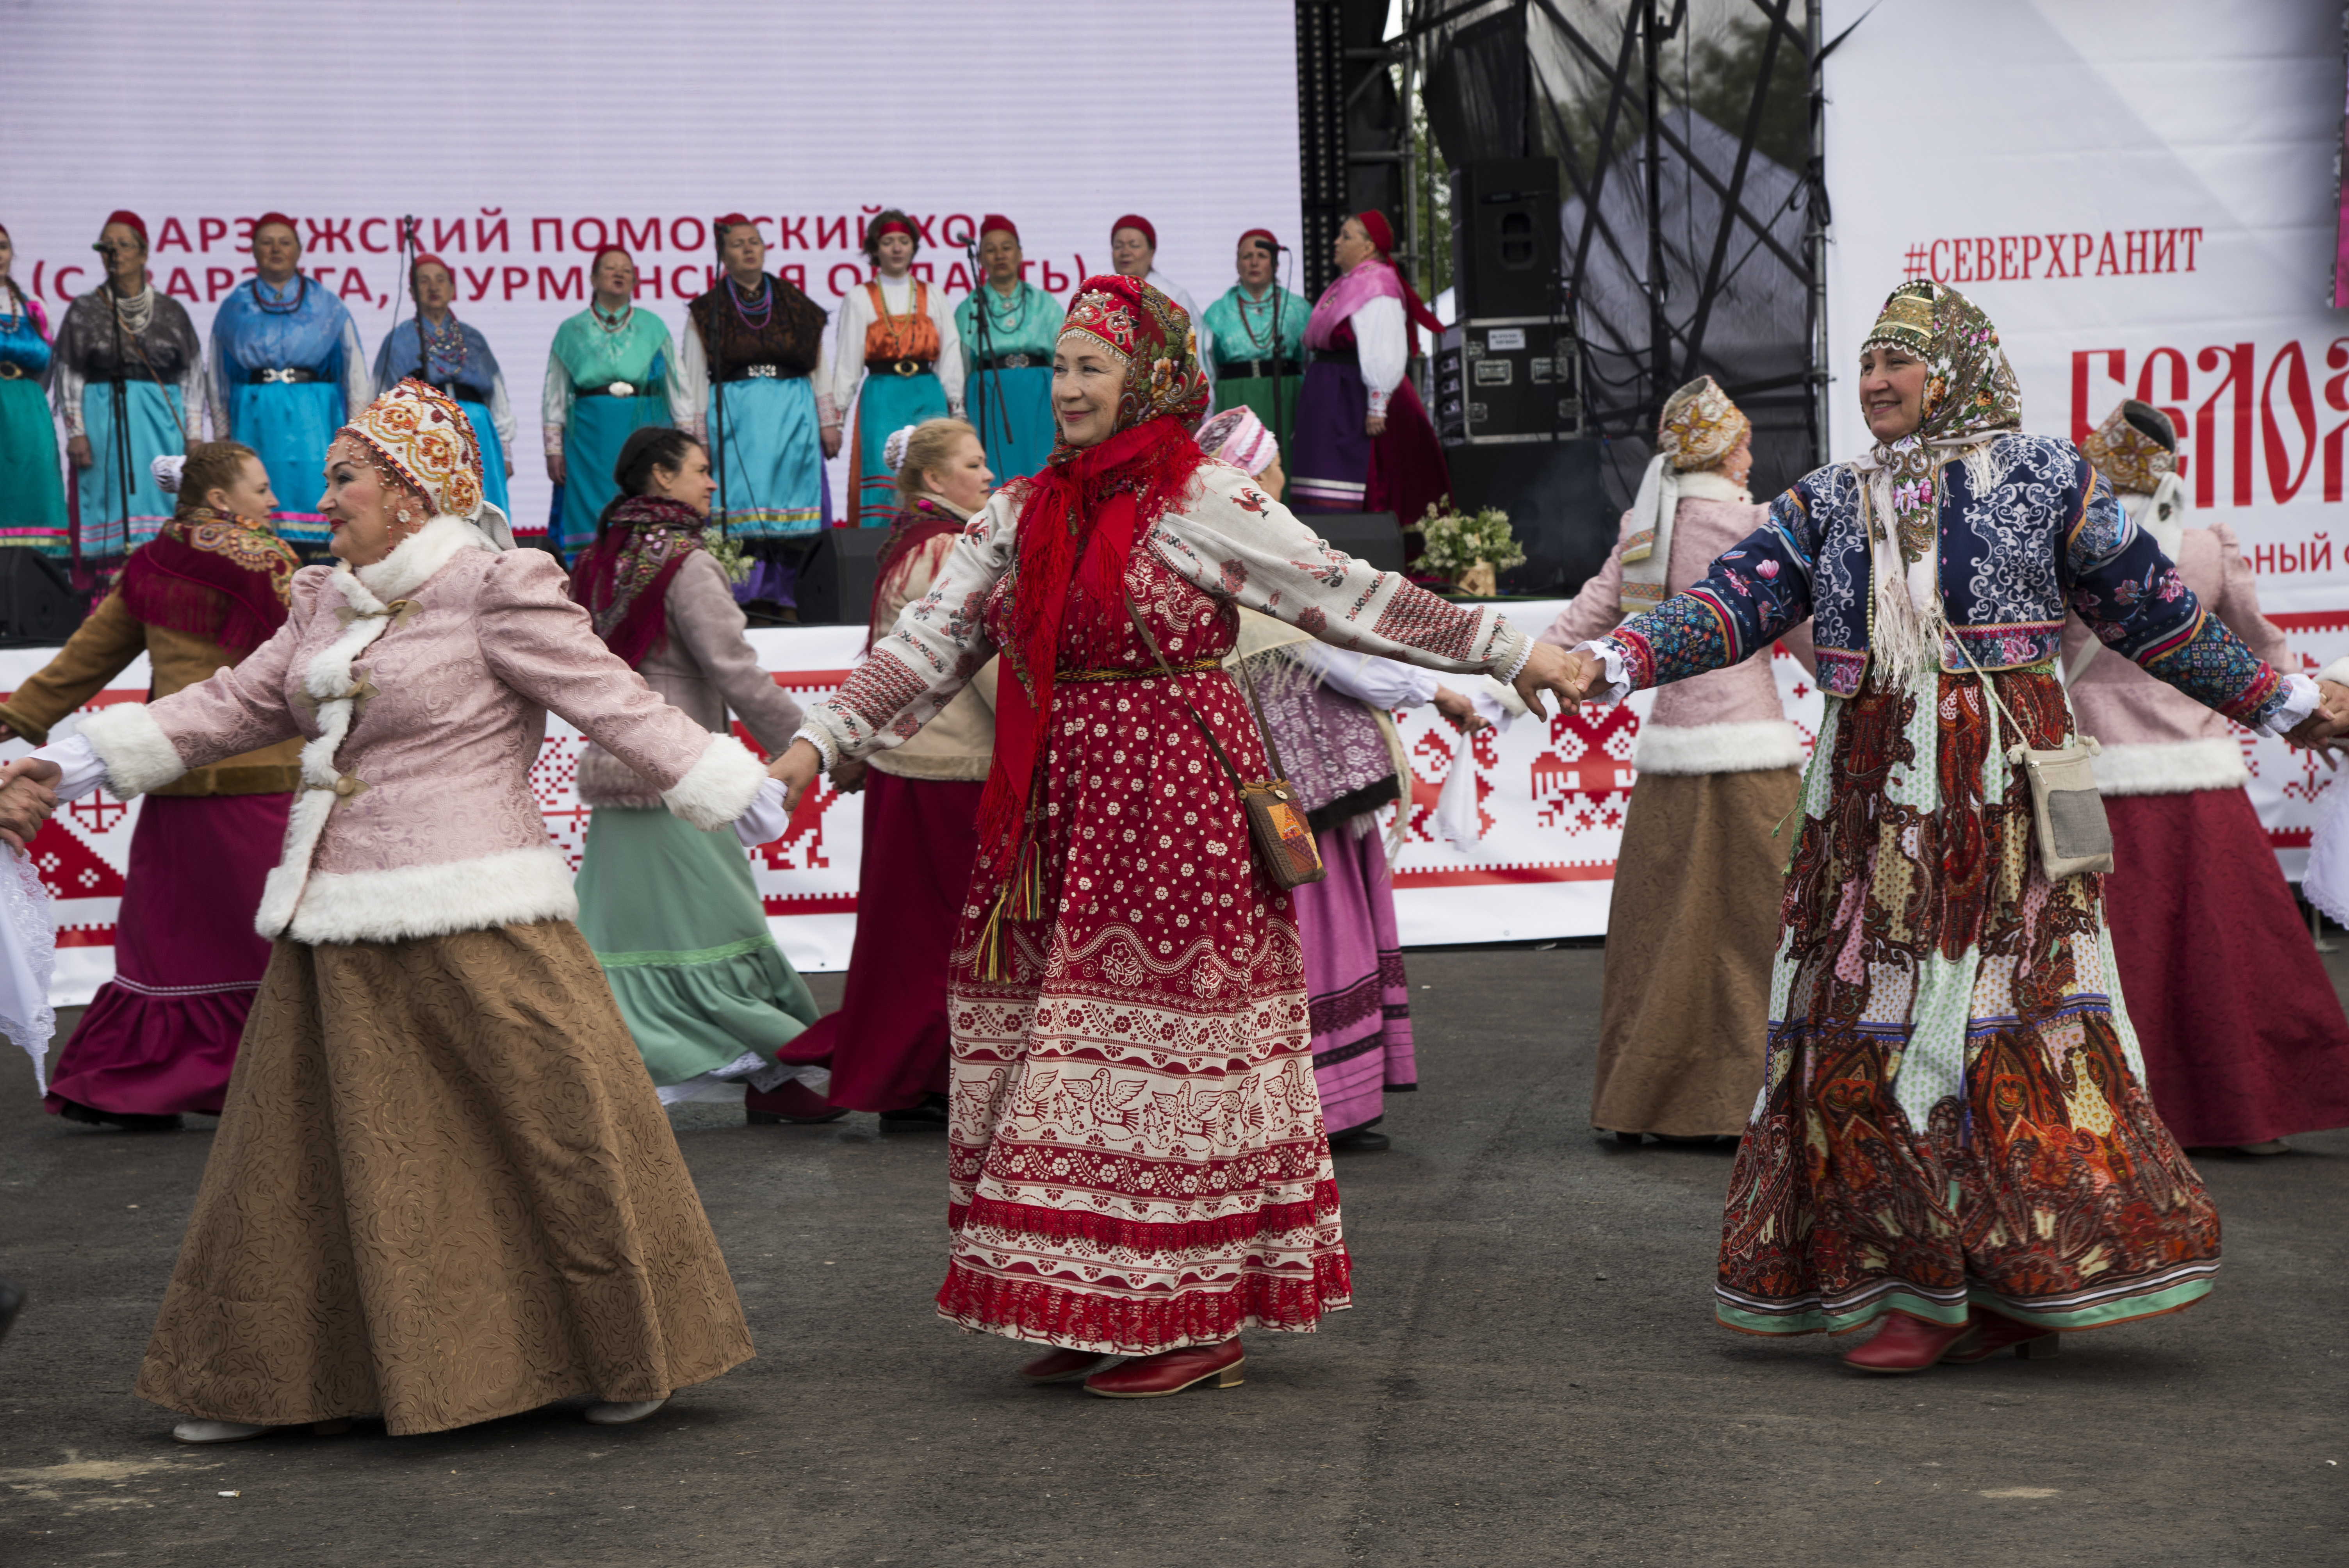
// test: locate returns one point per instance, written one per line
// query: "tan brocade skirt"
(1685, 1014)
(443, 1190)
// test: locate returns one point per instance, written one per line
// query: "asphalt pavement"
(1529, 1375)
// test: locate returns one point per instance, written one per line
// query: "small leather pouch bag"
(1277, 824)
(2067, 813)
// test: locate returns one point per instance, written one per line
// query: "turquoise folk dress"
(1247, 330)
(287, 372)
(32, 495)
(1007, 356)
(748, 361)
(606, 377)
(155, 406)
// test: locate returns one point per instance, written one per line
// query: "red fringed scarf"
(220, 578)
(622, 578)
(1082, 516)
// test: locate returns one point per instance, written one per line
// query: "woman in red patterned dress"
(1138, 1166)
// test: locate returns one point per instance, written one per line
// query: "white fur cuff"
(138, 754)
(2337, 671)
(1746, 747)
(519, 887)
(2170, 767)
(718, 788)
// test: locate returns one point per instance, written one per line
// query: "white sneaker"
(218, 1431)
(624, 1412)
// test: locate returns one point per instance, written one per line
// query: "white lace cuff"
(1610, 653)
(2299, 699)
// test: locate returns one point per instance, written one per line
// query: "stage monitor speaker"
(38, 606)
(835, 581)
(1504, 238)
(1374, 536)
(1514, 380)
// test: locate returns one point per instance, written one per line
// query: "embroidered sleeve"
(2133, 598)
(1232, 540)
(1749, 596)
(938, 645)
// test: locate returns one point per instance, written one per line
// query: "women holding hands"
(1138, 1165)
(443, 1190)
(1953, 1136)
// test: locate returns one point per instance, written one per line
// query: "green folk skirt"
(674, 919)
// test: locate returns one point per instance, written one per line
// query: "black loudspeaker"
(1374, 536)
(1504, 238)
(835, 581)
(38, 606)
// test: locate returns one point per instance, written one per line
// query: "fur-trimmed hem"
(2170, 767)
(1750, 745)
(515, 888)
(138, 754)
(718, 787)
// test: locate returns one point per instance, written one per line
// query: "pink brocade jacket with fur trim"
(2157, 740)
(421, 684)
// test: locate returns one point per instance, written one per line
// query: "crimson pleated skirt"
(161, 1037)
(2242, 1030)
(887, 1045)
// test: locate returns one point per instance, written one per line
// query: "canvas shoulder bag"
(2067, 809)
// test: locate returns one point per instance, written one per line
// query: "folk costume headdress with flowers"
(2135, 449)
(1081, 517)
(1699, 428)
(1970, 398)
(426, 440)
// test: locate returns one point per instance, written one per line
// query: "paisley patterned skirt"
(1953, 1108)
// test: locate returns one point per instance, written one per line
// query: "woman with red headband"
(32, 501)
(129, 389)
(1363, 442)
(1007, 356)
(895, 337)
(1137, 1164)
(611, 372)
(1133, 253)
(1258, 331)
(435, 348)
(288, 371)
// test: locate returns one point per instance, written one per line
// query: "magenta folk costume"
(159, 1038)
(1360, 338)
(1137, 1158)
(443, 1190)
(2242, 1033)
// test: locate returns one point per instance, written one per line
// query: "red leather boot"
(1997, 1332)
(791, 1101)
(1906, 1344)
(1171, 1372)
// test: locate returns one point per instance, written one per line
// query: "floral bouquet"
(1472, 549)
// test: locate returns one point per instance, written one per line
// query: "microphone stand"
(423, 357)
(718, 387)
(986, 353)
(121, 442)
(1280, 388)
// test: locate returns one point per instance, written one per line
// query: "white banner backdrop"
(525, 135)
(2142, 197)
(1550, 801)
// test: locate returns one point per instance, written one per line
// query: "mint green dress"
(1245, 335)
